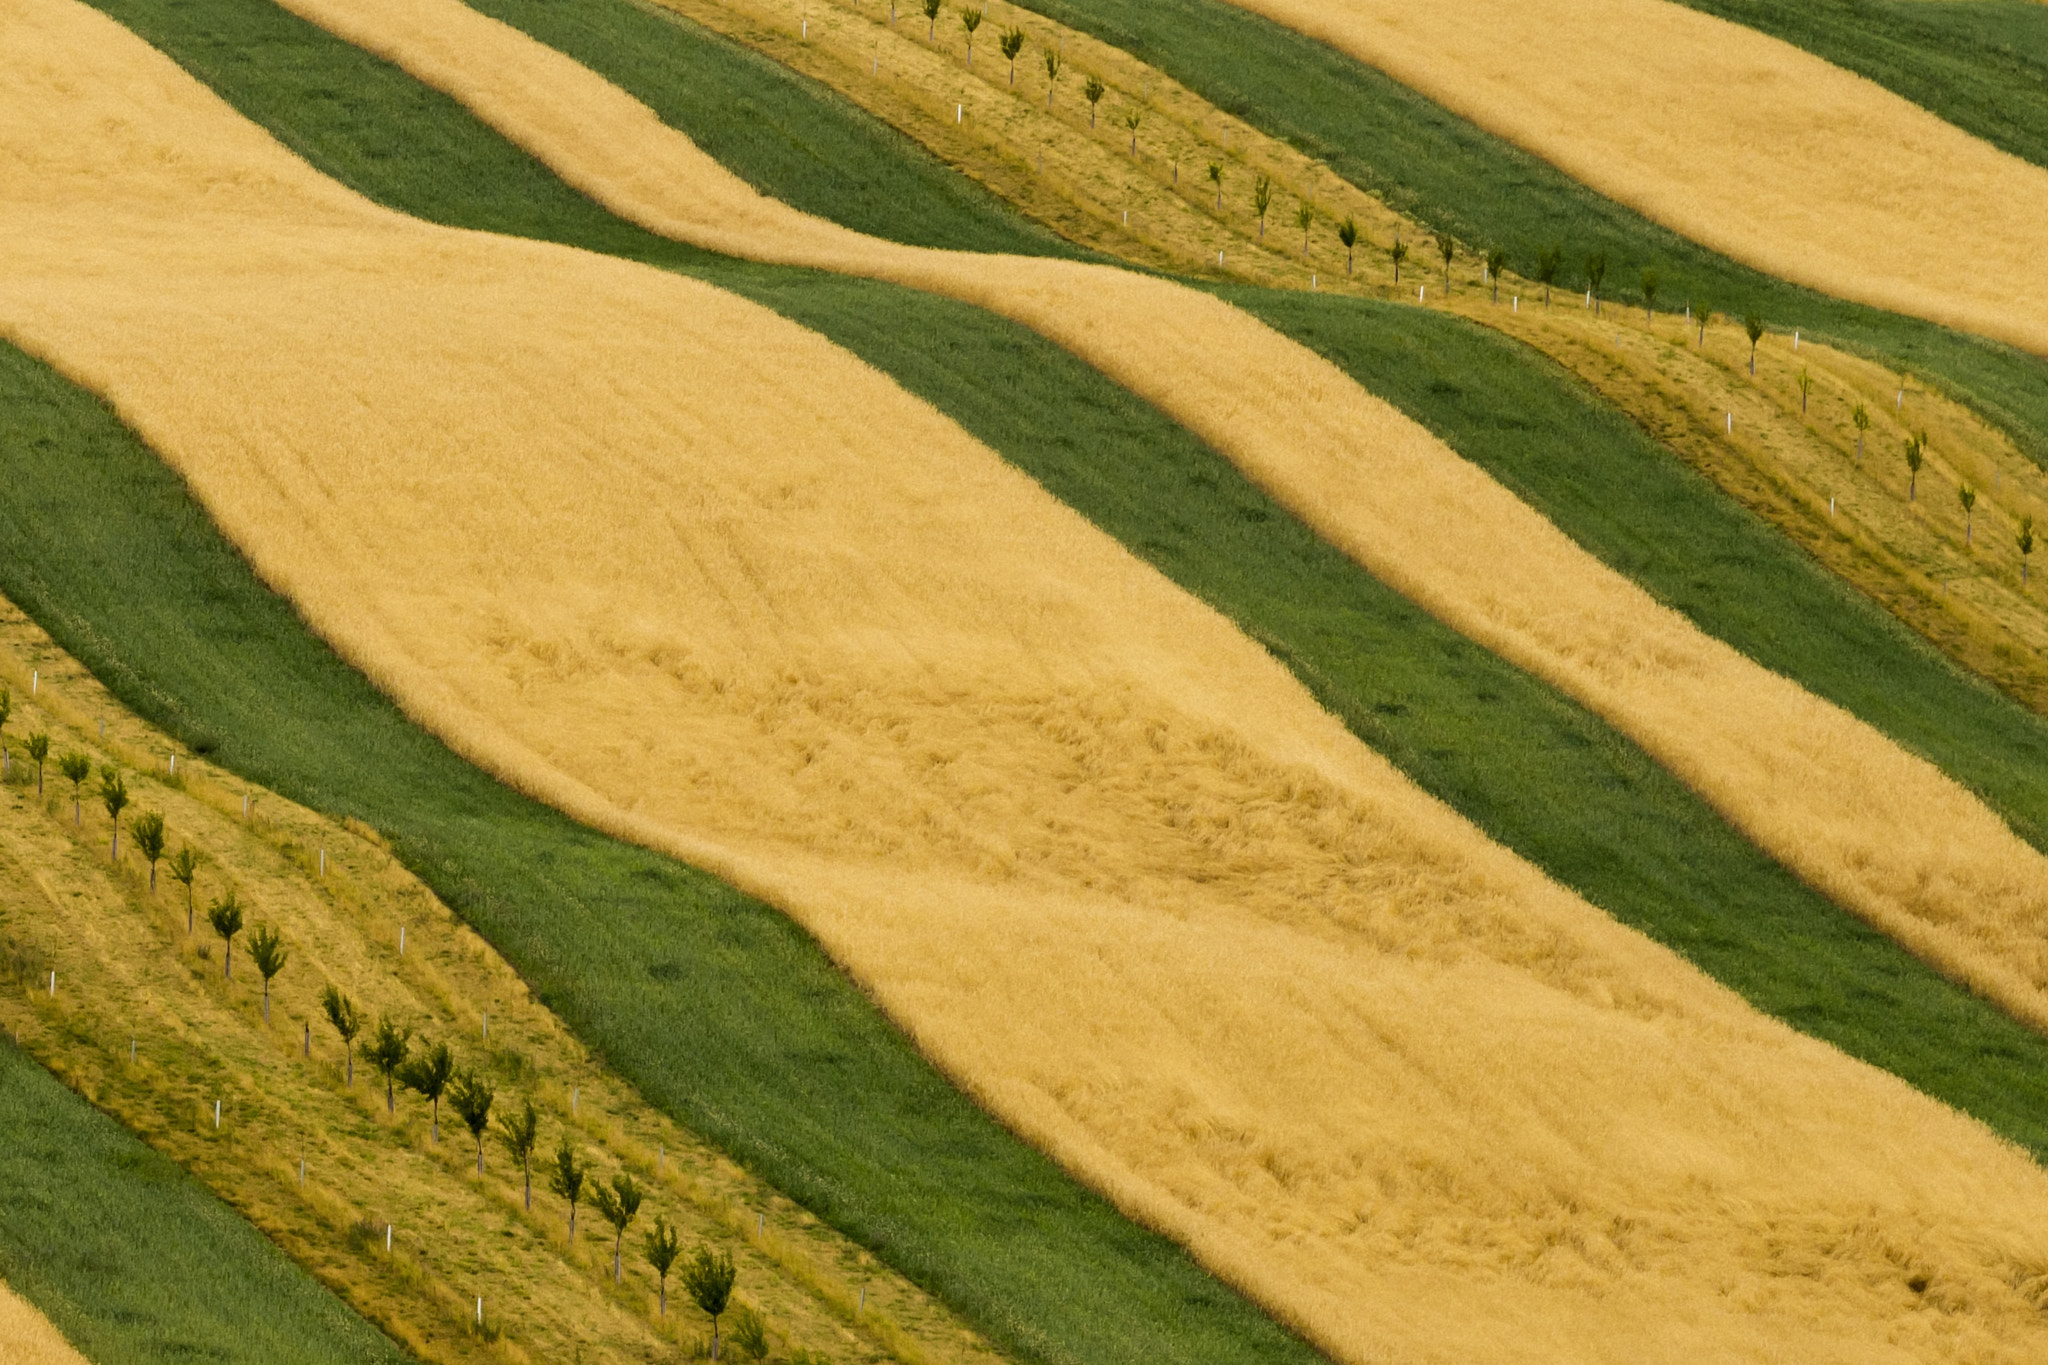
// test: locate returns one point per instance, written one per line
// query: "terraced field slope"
(1581, 966)
(1813, 175)
(1927, 862)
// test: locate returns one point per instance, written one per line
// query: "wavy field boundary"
(1928, 863)
(30, 1337)
(1603, 974)
(1813, 174)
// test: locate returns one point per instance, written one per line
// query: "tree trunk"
(437, 1118)
(266, 1000)
(572, 1220)
(390, 1096)
(227, 960)
(617, 1242)
(664, 1296)
(479, 1156)
(350, 1049)
(526, 1168)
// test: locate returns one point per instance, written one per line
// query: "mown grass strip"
(133, 1261)
(1980, 64)
(1441, 169)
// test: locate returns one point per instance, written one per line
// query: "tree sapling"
(1967, 496)
(1916, 455)
(77, 767)
(471, 1098)
(1053, 63)
(931, 14)
(519, 1131)
(1446, 247)
(617, 1203)
(566, 1179)
(225, 915)
(1305, 218)
(429, 1072)
(1650, 283)
(113, 795)
(184, 867)
(1399, 251)
(708, 1277)
(386, 1053)
(1753, 327)
(268, 953)
(1012, 43)
(970, 19)
(1262, 200)
(662, 1246)
(1094, 90)
(148, 829)
(39, 753)
(2025, 540)
(1860, 419)
(1496, 261)
(1347, 233)
(341, 1012)
(1549, 262)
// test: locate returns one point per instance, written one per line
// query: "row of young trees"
(430, 1069)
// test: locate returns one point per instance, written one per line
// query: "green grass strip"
(134, 1261)
(1443, 170)
(717, 1007)
(1980, 64)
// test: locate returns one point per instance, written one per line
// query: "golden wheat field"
(1878, 829)
(27, 1338)
(1811, 173)
(702, 579)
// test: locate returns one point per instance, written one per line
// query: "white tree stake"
(216, 1114)
(401, 940)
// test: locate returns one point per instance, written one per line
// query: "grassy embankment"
(1980, 64)
(130, 1258)
(1688, 911)
(1794, 458)
(128, 971)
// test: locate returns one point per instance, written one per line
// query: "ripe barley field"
(1401, 873)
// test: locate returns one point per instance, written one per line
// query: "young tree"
(663, 1244)
(471, 1098)
(114, 795)
(385, 1052)
(617, 1203)
(1967, 496)
(1860, 419)
(1132, 118)
(931, 14)
(1094, 90)
(267, 951)
(1916, 455)
(341, 1012)
(429, 1073)
(566, 1179)
(1347, 233)
(1496, 261)
(77, 767)
(970, 19)
(148, 829)
(1399, 251)
(225, 915)
(1305, 218)
(1216, 179)
(1012, 43)
(519, 1131)
(1262, 199)
(708, 1278)
(1549, 262)
(1596, 271)
(1753, 326)
(1650, 283)
(6, 707)
(184, 867)
(1053, 63)
(2026, 544)
(39, 751)
(1446, 247)
(1702, 315)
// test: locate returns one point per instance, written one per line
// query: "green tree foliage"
(520, 1131)
(1549, 262)
(1093, 91)
(662, 1246)
(1967, 496)
(1805, 382)
(1399, 251)
(429, 1072)
(386, 1052)
(1446, 247)
(1651, 280)
(931, 14)
(707, 1278)
(1011, 44)
(565, 1178)
(1133, 116)
(1916, 455)
(148, 829)
(471, 1098)
(114, 796)
(2025, 540)
(970, 19)
(1596, 271)
(341, 1013)
(1753, 327)
(1860, 419)
(749, 1332)
(1262, 200)
(268, 953)
(1305, 218)
(184, 867)
(1702, 316)
(225, 915)
(1053, 62)
(1216, 179)
(1496, 261)
(617, 1203)
(39, 751)
(76, 767)
(1347, 233)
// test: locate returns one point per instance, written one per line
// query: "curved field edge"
(1590, 471)
(1441, 707)
(31, 1336)
(1980, 64)
(715, 1006)
(134, 1261)
(1438, 168)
